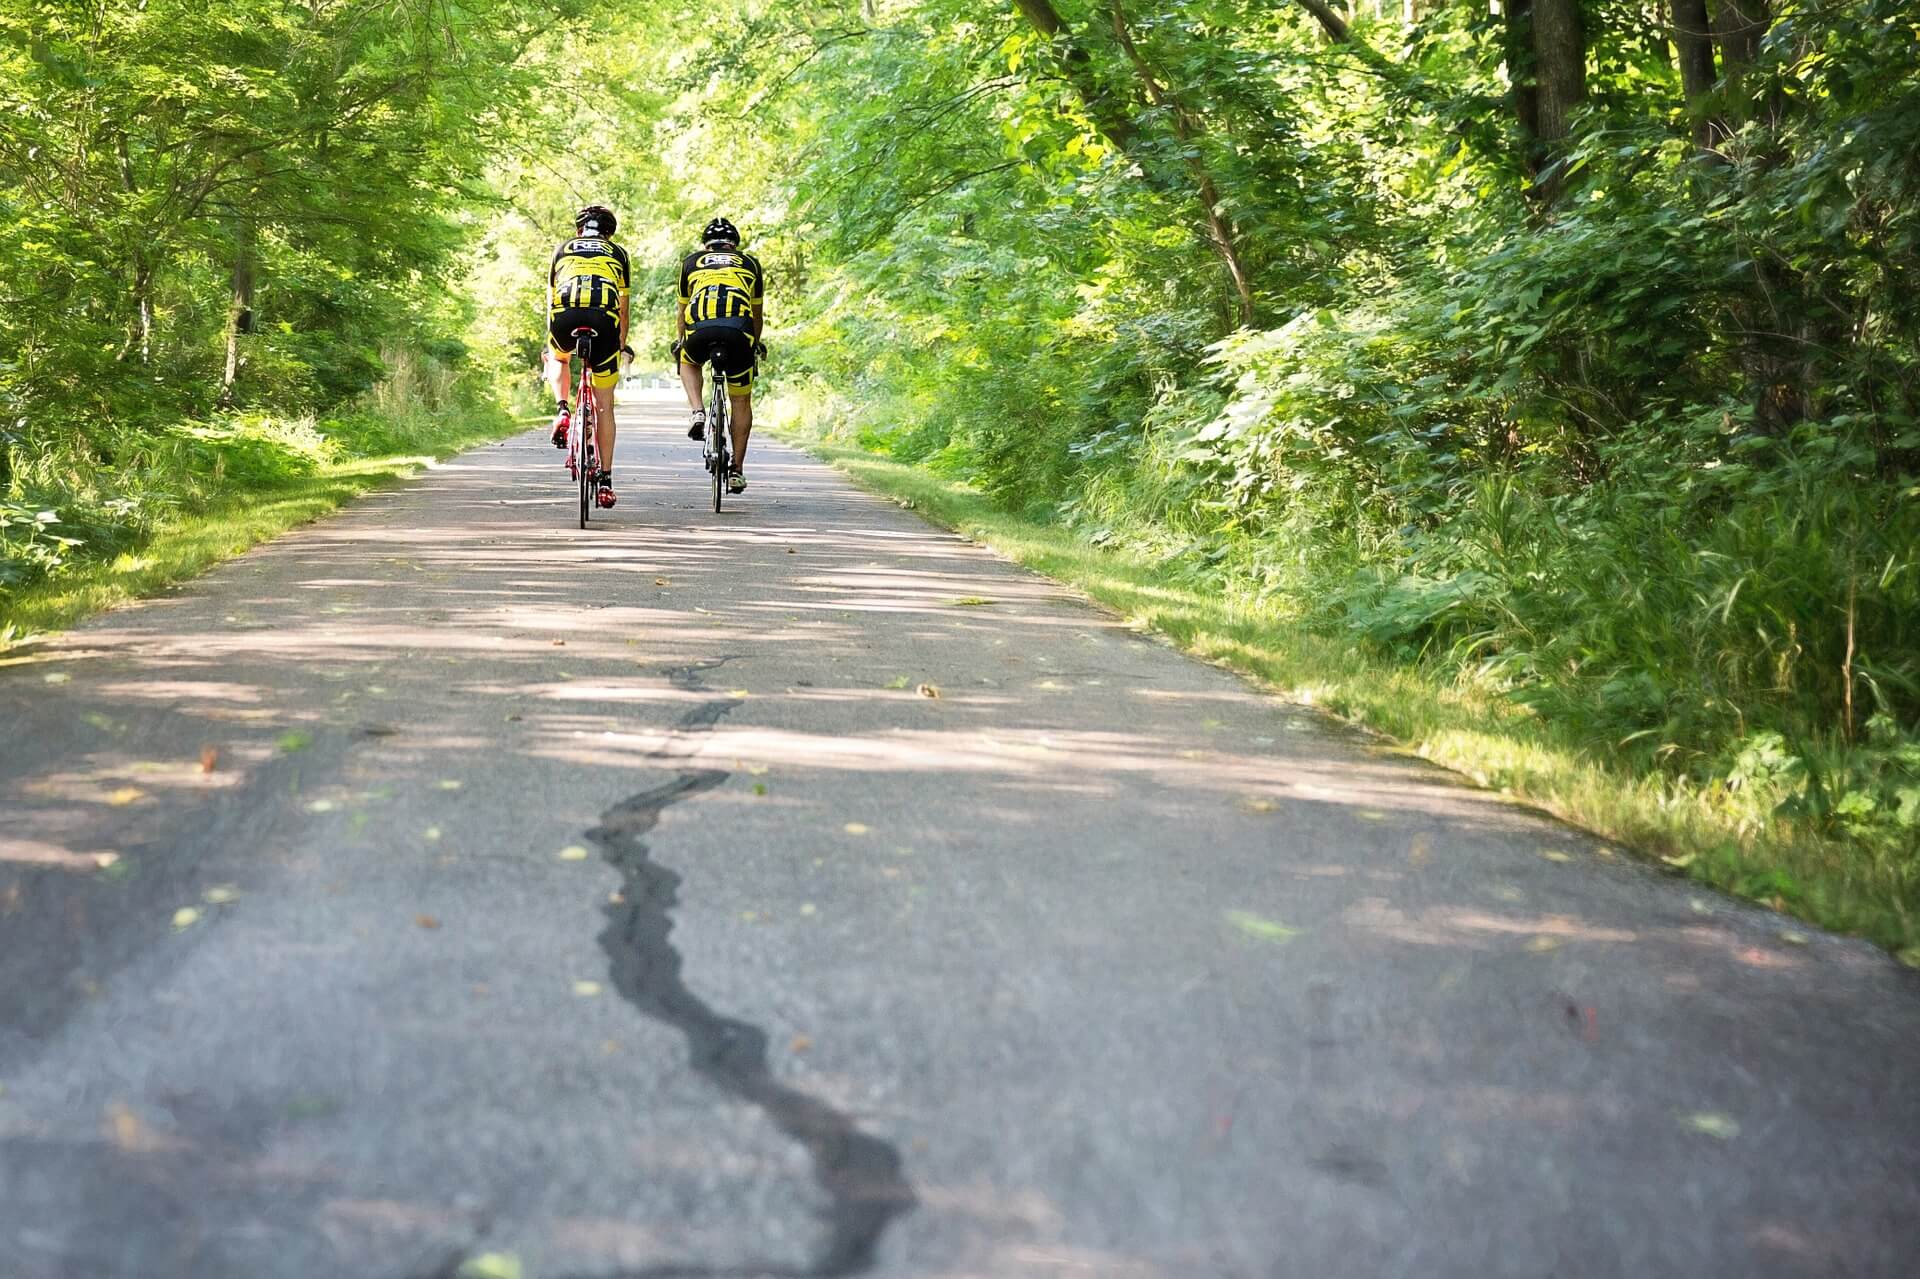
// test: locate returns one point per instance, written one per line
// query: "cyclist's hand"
(674, 347)
(628, 352)
(759, 349)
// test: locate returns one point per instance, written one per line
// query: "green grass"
(1471, 730)
(249, 510)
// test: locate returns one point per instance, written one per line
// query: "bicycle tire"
(583, 445)
(717, 420)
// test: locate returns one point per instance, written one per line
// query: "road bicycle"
(583, 461)
(716, 449)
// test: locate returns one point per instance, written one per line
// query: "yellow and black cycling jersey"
(588, 272)
(720, 284)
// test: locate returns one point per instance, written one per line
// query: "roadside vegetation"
(233, 242)
(1538, 382)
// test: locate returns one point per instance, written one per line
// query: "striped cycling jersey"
(588, 271)
(720, 284)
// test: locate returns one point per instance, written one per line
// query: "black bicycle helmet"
(720, 231)
(597, 218)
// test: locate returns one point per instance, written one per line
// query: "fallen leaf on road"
(209, 758)
(661, 581)
(490, 1265)
(971, 601)
(128, 1132)
(928, 690)
(789, 550)
(431, 834)
(1793, 938)
(1543, 944)
(320, 806)
(856, 828)
(808, 908)
(451, 783)
(186, 917)
(57, 677)
(294, 741)
(1555, 855)
(221, 894)
(1257, 804)
(1261, 927)
(126, 795)
(756, 770)
(759, 788)
(426, 921)
(738, 693)
(898, 682)
(573, 853)
(585, 989)
(559, 643)
(800, 1044)
(1725, 1127)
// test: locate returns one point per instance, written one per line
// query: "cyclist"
(722, 310)
(587, 284)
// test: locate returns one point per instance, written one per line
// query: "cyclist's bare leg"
(692, 383)
(603, 425)
(557, 375)
(741, 419)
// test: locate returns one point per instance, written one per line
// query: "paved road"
(618, 901)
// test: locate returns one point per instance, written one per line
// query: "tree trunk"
(1546, 52)
(1693, 39)
(239, 308)
(1560, 62)
(1738, 28)
(1221, 233)
(1110, 115)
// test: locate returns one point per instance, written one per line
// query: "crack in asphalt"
(861, 1174)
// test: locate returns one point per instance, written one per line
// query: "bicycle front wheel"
(718, 424)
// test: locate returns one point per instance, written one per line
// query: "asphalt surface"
(805, 891)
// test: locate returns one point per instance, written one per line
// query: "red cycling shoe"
(561, 421)
(604, 493)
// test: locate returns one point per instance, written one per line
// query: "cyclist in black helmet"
(587, 285)
(722, 310)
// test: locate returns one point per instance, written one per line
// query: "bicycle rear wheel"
(718, 425)
(583, 444)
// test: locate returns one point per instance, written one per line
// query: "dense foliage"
(216, 221)
(1571, 347)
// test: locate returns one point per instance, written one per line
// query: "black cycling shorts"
(728, 341)
(603, 356)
